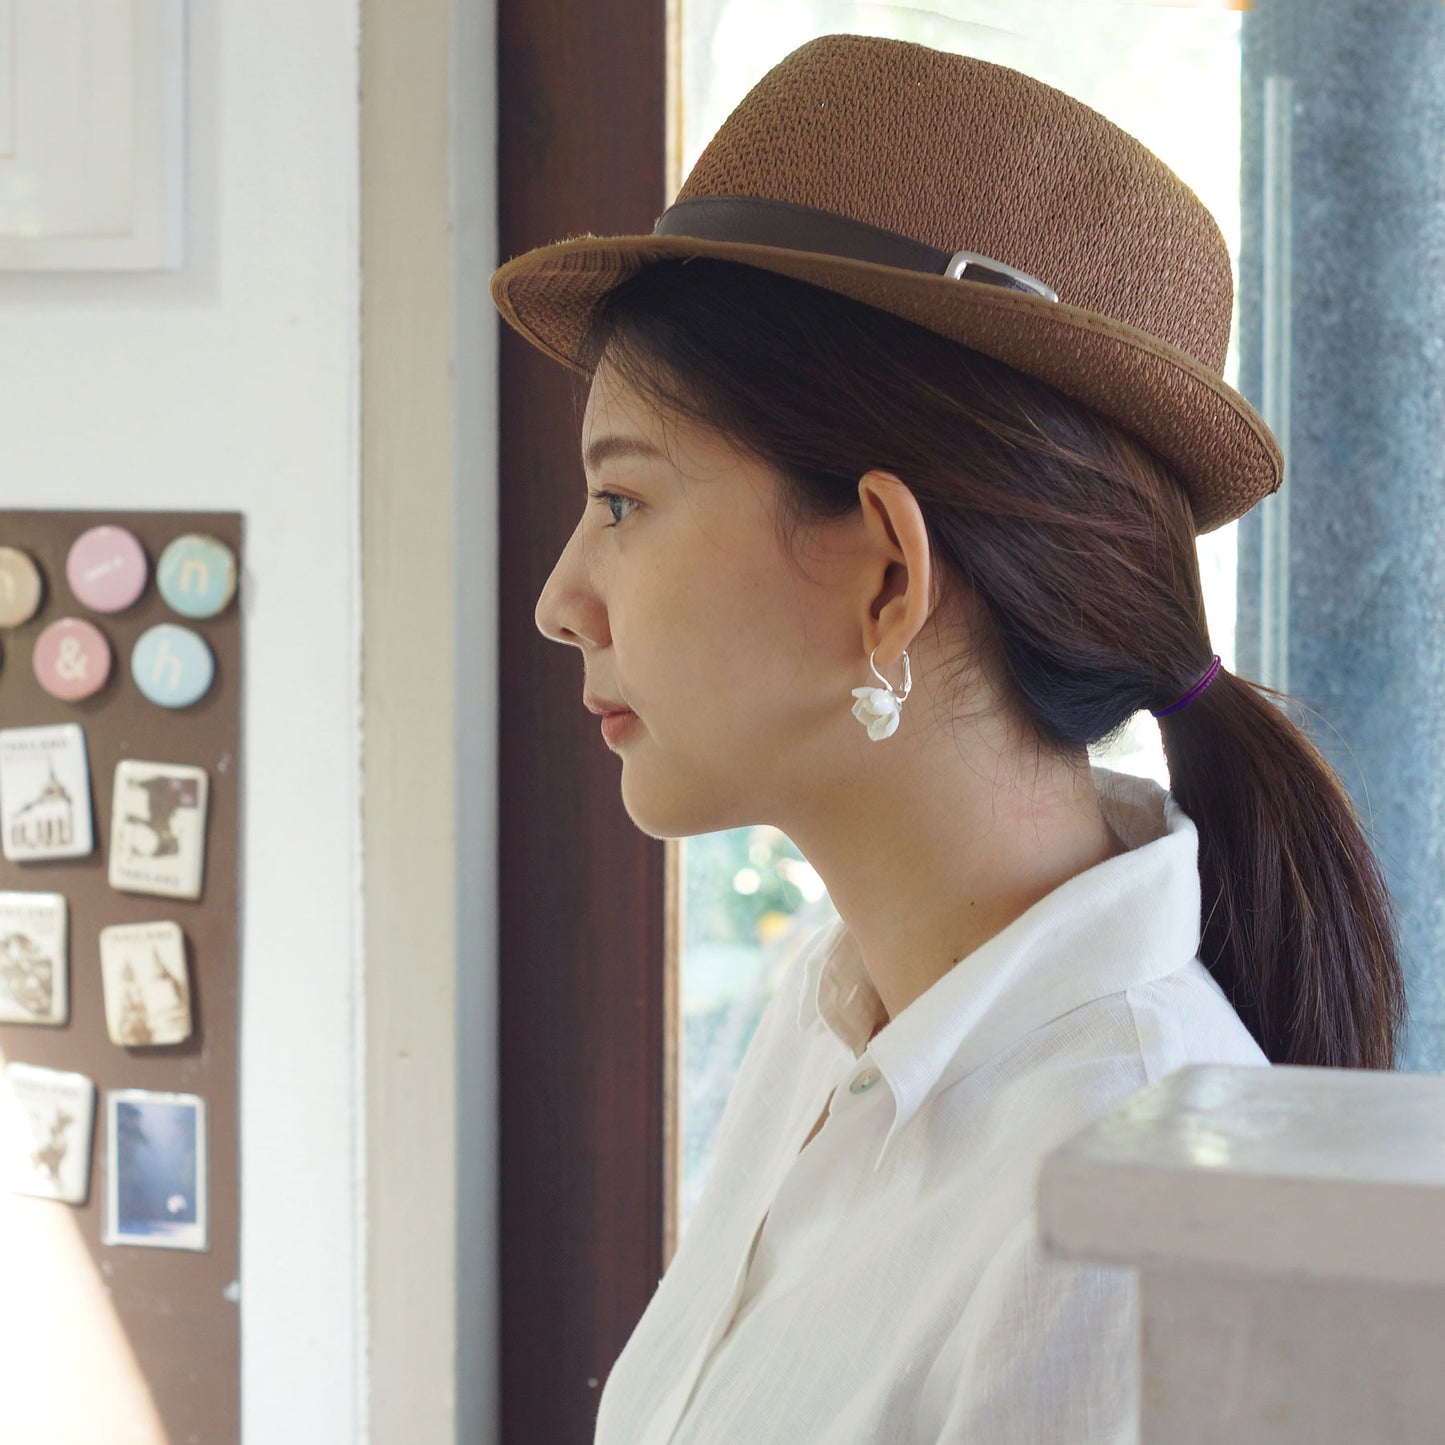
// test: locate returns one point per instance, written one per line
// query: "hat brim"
(1212, 439)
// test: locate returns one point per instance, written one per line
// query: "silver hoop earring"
(877, 707)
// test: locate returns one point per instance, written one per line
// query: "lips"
(603, 707)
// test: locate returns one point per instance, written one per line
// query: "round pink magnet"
(106, 569)
(72, 659)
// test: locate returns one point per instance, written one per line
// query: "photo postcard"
(155, 1169)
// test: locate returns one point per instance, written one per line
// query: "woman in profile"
(920, 378)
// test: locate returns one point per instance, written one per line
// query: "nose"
(568, 608)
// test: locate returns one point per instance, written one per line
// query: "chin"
(685, 813)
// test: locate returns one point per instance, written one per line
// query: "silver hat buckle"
(970, 266)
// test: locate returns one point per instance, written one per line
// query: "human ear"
(897, 569)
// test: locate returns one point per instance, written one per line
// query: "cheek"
(715, 633)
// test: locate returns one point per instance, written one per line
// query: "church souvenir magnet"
(44, 793)
(155, 1184)
(158, 829)
(34, 977)
(47, 1120)
(147, 994)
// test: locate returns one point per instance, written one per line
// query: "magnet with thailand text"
(34, 962)
(158, 829)
(21, 587)
(173, 666)
(197, 575)
(44, 793)
(155, 1191)
(71, 659)
(147, 996)
(47, 1124)
(107, 569)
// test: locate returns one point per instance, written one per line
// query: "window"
(633, 972)
(1170, 76)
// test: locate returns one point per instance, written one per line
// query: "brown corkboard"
(128, 1335)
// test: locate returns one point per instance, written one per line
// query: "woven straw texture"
(963, 154)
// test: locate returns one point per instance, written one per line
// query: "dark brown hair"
(1079, 544)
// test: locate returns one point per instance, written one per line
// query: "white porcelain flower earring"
(877, 707)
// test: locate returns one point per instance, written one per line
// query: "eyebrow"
(618, 446)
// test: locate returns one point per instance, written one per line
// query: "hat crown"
(962, 154)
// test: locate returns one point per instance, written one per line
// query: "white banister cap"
(1304, 1172)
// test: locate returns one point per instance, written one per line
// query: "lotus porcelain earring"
(877, 707)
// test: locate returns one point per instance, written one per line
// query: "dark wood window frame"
(587, 1139)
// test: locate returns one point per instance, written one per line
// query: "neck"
(924, 866)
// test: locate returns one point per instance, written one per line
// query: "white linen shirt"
(885, 1284)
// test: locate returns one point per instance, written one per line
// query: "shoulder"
(1062, 1076)
(1185, 1018)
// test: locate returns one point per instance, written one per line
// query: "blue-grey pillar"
(1342, 346)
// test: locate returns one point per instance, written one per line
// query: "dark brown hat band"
(758, 221)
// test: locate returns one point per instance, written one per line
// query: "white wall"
(235, 383)
(232, 384)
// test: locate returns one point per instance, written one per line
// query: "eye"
(608, 498)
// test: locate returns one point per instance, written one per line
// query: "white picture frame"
(92, 135)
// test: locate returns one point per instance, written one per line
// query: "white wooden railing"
(1288, 1225)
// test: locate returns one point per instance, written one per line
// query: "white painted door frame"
(429, 650)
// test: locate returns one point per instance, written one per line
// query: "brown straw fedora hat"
(977, 202)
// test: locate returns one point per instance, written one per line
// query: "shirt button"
(865, 1080)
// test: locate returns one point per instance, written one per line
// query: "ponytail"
(1298, 926)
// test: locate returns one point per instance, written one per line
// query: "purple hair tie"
(1193, 691)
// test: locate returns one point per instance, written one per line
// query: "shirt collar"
(1125, 921)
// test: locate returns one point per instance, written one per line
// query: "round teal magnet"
(172, 665)
(197, 575)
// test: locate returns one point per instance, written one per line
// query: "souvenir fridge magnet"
(34, 973)
(172, 666)
(44, 793)
(147, 996)
(158, 829)
(20, 587)
(72, 659)
(155, 1187)
(197, 575)
(47, 1120)
(106, 569)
